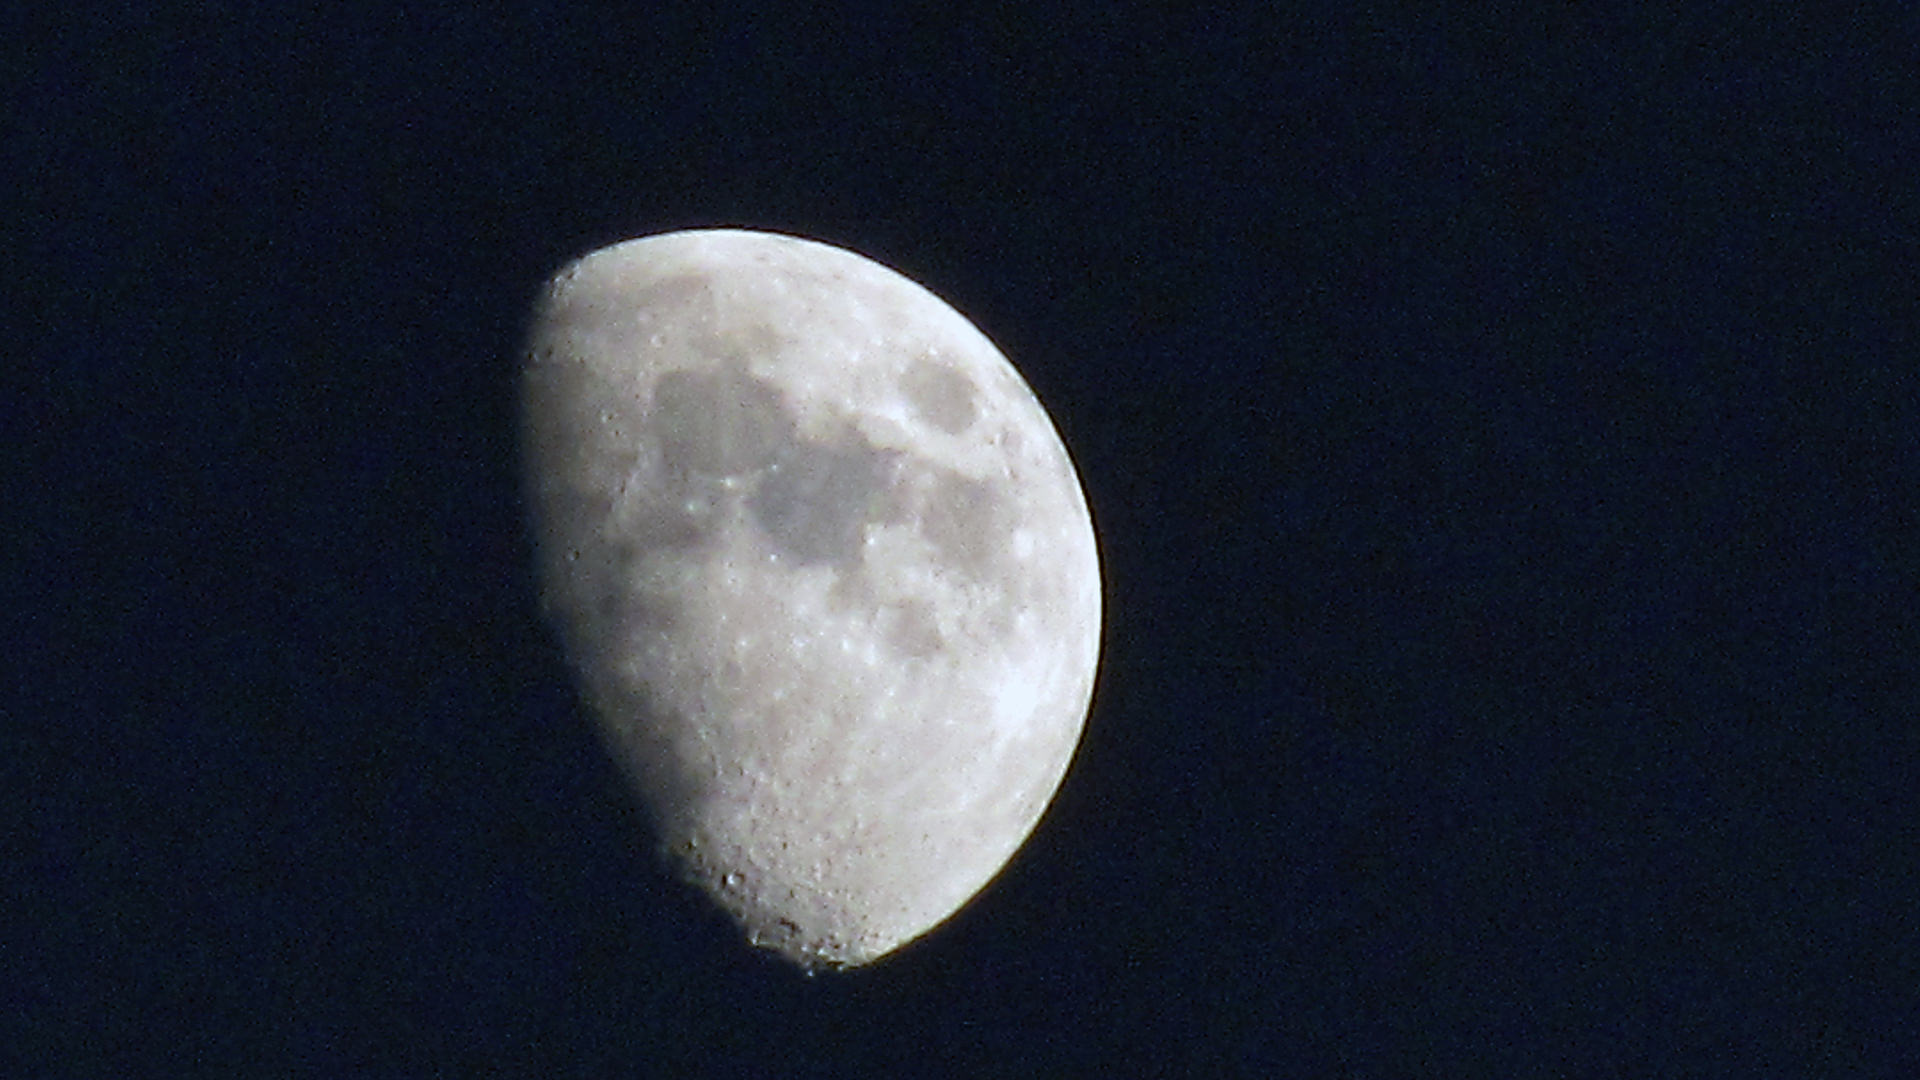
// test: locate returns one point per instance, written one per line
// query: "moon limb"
(823, 568)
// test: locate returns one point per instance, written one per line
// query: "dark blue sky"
(1501, 436)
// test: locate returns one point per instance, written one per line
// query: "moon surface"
(823, 570)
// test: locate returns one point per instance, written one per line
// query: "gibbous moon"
(823, 569)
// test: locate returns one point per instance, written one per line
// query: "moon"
(823, 570)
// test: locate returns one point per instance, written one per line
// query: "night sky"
(1501, 434)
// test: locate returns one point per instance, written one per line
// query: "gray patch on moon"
(941, 395)
(816, 502)
(686, 292)
(723, 423)
(812, 499)
(966, 521)
(910, 627)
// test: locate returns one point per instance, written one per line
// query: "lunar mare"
(824, 571)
